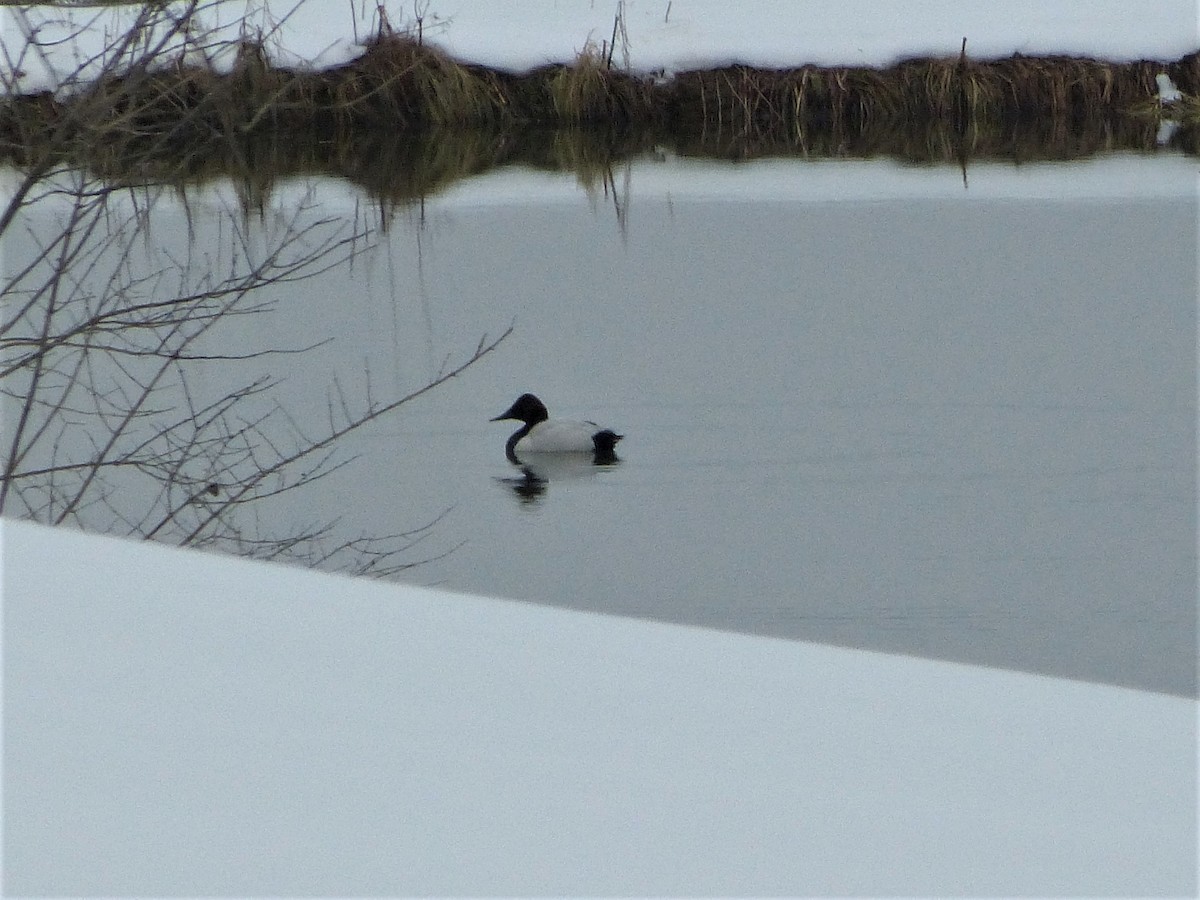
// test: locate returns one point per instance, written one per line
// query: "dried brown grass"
(952, 89)
(591, 92)
(399, 82)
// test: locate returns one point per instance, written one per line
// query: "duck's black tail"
(605, 443)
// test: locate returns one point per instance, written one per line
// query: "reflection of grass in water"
(929, 142)
(399, 169)
(404, 166)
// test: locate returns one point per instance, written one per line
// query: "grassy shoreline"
(178, 121)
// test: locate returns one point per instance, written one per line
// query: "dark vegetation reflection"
(397, 169)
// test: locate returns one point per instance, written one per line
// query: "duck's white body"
(541, 434)
(559, 436)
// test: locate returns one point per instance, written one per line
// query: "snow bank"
(182, 723)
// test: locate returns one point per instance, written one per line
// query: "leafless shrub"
(107, 423)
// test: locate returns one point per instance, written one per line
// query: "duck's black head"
(528, 409)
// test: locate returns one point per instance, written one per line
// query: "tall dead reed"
(951, 89)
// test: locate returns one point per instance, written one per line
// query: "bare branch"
(105, 329)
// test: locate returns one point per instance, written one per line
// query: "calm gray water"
(955, 427)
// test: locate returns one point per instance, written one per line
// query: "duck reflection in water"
(535, 476)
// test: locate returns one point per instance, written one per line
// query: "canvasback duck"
(541, 434)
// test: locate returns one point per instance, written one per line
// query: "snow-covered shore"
(181, 723)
